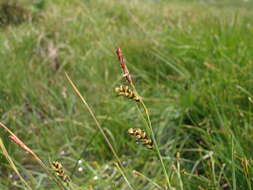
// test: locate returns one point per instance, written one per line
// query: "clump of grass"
(23, 146)
(12, 165)
(12, 13)
(139, 174)
(196, 75)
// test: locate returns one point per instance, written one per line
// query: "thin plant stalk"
(147, 178)
(9, 159)
(178, 171)
(148, 123)
(97, 125)
(16, 140)
(150, 128)
(87, 145)
(122, 173)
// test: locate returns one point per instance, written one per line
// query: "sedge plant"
(145, 113)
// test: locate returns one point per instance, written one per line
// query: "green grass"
(191, 61)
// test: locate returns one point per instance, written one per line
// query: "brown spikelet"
(123, 65)
(58, 169)
(20, 143)
(127, 92)
(141, 136)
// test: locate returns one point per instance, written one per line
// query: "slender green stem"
(149, 126)
(122, 173)
(81, 155)
(156, 145)
(233, 163)
(97, 125)
(178, 171)
(147, 178)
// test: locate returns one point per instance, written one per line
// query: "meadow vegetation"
(191, 62)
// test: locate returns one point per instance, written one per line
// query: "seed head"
(123, 65)
(141, 136)
(127, 92)
(58, 169)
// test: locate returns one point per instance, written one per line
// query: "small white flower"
(80, 169)
(106, 167)
(80, 161)
(95, 177)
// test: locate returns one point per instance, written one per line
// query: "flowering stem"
(149, 126)
(148, 123)
(98, 126)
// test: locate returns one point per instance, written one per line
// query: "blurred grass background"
(191, 61)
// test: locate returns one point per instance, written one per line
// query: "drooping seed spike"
(58, 169)
(127, 92)
(141, 136)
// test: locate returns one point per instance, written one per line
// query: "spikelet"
(127, 92)
(124, 66)
(58, 169)
(141, 136)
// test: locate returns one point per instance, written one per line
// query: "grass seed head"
(123, 65)
(58, 169)
(127, 92)
(141, 136)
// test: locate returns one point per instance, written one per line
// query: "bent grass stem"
(98, 126)
(16, 140)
